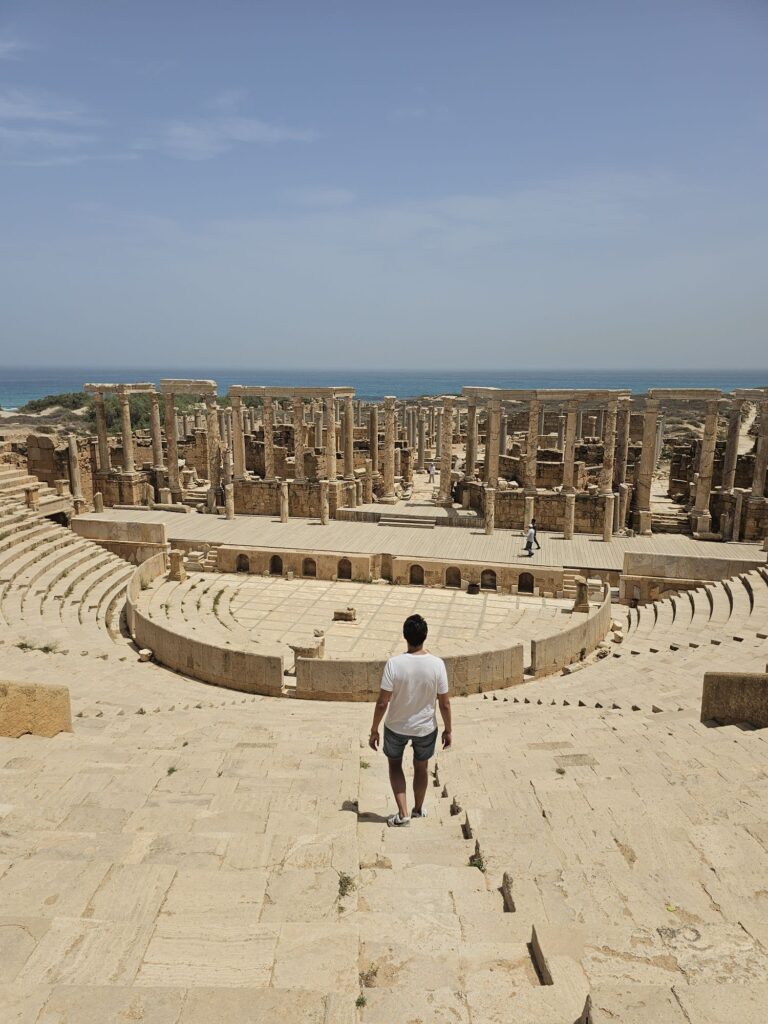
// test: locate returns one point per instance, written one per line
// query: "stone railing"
(230, 666)
(332, 679)
(555, 652)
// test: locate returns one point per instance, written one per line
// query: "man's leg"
(420, 783)
(397, 781)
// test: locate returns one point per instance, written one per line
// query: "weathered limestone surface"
(734, 697)
(34, 709)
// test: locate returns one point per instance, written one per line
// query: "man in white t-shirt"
(409, 687)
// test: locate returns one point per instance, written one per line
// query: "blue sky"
(350, 184)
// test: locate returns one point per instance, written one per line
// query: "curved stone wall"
(234, 668)
(561, 649)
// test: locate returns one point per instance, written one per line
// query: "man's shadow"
(364, 816)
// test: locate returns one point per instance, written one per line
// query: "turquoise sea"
(20, 385)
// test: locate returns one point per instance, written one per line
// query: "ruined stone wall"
(194, 450)
(262, 497)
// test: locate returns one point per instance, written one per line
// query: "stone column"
(238, 438)
(446, 445)
(318, 419)
(324, 503)
(529, 510)
(560, 432)
(622, 506)
(569, 517)
(609, 447)
(532, 448)
(174, 481)
(490, 509)
(389, 450)
(738, 493)
(502, 434)
(580, 425)
(542, 420)
(98, 502)
(623, 420)
(732, 445)
(569, 446)
(349, 438)
(761, 455)
(298, 438)
(283, 501)
(75, 482)
(127, 432)
(471, 449)
(105, 463)
(213, 438)
(268, 417)
(229, 501)
(184, 425)
(491, 460)
(438, 433)
(600, 428)
(609, 500)
(702, 518)
(422, 457)
(373, 438)
(368, 483)
(330, 437)
(398, 462)
(647, 466)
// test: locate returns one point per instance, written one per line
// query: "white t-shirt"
(414, 680)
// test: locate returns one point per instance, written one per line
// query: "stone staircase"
(408, 520)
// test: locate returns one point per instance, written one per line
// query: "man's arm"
(444, 702)
(379, 711)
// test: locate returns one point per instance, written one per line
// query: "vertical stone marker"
(570, 515)
(229, 501)
(373, 438)
(283, 501)
(471, 445)
(530, 510)
(490, 509)
(105, 461)
(647, 466)
(492, 426)
(238, 438)
(324, 504)
(74, 475)
(368, 483)
(98, 502)
(174, 480)
(609, 500)
(532, 445)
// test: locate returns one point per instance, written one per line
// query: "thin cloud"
(10, 49)
(33, 126)
(321, 197)
(206, 138)
(21, 105)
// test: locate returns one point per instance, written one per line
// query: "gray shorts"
(395, 744)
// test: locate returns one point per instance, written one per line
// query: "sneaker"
(395, 821)
(419, 814)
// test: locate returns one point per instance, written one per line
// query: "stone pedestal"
(229, 501)
(177, 571)
(98, 502)
(608, 516)
(569, 516)
(165, 496)
(32, 497)
(358, 492)
(643, 523)
(581, 604)
(490, 509)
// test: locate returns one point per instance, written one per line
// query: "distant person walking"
(431, 471)
(409, 687)
(535, 534)
(530, 538)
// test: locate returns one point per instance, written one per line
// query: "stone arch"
(416, 576)
(488, 579)
(276, 566)
(309, 567)
(453, 577)
(525, 583)
(243, 564)
(344, 569)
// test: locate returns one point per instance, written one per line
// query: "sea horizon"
(19, 385)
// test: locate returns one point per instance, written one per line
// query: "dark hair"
(415, 630)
